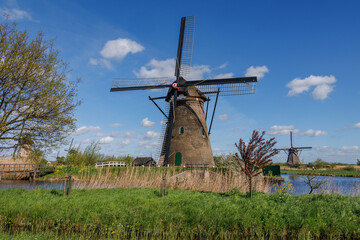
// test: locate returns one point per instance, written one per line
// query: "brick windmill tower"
(185, 136)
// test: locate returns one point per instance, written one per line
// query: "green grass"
(341, 173)
(142, 213)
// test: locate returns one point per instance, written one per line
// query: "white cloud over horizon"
(323, 86)
(223, 117)
(125, 142)
(356, 125)
(282, 130)
(151, 135)
(101, 62)
(278, 130)
(118, 49)
(128, 134)
(165, 68)
(14, 14)
(85, 129)
(224, 75)
(157, 68)
(258, 71)
(106, 140)
(148, 144)
(147, 123)
(116, 125)
(314, 133)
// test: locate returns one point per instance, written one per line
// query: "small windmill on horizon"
(185, 136)
(293, 152)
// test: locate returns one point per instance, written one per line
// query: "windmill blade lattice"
(226, 86)
(188, 44)
(229, 89)
(126, 84)
(162, 137)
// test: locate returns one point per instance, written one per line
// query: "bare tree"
(36, 98)
(255, 155)
(313, 182)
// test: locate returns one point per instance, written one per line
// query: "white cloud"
(162, 122)
(222, 66)
(119, 48)
(128, 134)
(148, 144)
(357, 125)
(155, 68)
(106, 140)
(224, 75)
(277, 130)
(101, 62)
(323, 86)
(350, 148)
(313, 133)
(258, 71)
(197, 72)
(125, 142)
(151, 135)
(223, 117)
(85, 129)
(114, 134)
(14, 14)
(116, 125)
(282, 130)
(100, 134)
(88, 140)
(147, 123)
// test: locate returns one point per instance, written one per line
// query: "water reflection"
(29, 185)
(337, 185)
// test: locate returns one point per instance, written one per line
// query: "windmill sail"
(187, 46)
(160, 152)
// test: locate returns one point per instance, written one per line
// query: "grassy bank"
(141, 212)
(340, 173)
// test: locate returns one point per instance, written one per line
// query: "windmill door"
(178, 159)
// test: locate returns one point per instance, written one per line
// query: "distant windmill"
(293, 156)
(185, 136)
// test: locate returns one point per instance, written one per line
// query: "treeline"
(89, 156)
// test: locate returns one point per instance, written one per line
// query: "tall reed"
(176, 178)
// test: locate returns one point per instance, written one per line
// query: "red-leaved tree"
(255, 155)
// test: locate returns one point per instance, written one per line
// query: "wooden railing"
(31, 168)
(110, 164)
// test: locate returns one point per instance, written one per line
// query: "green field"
(143, 213)
(340, 173)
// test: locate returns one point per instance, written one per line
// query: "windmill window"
(181, 130)
(202, 131)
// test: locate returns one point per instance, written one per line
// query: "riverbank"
(143, 213)
(339, 173)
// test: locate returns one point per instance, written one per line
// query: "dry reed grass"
(200, 180)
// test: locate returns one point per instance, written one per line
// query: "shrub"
(284, 190)
(349, 168)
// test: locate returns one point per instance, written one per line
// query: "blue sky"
(305, 53)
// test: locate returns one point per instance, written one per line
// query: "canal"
(339, 185)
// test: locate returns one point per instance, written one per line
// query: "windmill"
(293, 156)
(185, 136)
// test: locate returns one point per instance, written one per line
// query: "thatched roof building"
(144, 161)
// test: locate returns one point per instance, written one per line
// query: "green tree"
(36, 98)
(254, 155)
